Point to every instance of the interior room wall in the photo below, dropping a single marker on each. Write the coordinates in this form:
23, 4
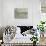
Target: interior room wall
0, 11
7, 16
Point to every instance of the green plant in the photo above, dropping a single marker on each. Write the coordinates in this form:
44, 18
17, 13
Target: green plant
34, 39
41, 26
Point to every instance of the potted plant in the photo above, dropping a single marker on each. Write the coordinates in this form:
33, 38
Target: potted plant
34, 39
41, 28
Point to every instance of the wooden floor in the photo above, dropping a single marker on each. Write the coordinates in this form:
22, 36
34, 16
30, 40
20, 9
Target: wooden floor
15, 44
42, 41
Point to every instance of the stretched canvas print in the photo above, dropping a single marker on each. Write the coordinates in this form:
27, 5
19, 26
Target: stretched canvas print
21, 13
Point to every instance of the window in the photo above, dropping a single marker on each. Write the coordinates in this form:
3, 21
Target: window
43, 6
43, 10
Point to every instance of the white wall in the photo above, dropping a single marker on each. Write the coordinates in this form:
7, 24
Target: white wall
0, 12
8, 12
36, 12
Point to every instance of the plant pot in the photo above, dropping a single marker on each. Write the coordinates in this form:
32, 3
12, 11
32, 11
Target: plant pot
42, 34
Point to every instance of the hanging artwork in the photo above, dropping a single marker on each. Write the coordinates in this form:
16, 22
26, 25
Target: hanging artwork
21, 13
